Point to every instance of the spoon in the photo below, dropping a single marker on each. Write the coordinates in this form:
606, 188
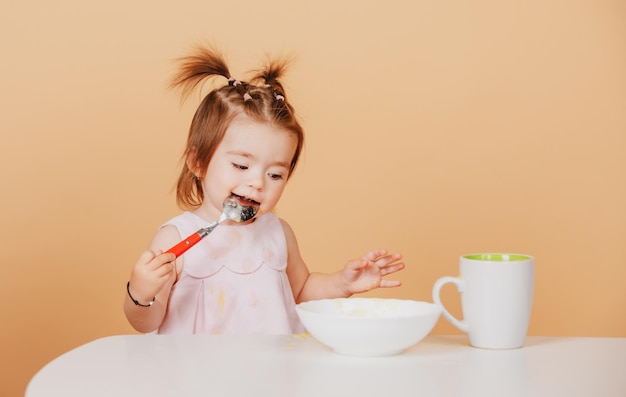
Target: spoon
233, 211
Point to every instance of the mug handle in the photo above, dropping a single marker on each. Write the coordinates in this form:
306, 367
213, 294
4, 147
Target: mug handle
436, 298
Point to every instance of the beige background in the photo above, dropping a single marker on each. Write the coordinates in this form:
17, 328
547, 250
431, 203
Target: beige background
434, 128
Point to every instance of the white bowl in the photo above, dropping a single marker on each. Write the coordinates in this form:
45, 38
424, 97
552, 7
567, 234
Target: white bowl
368, 326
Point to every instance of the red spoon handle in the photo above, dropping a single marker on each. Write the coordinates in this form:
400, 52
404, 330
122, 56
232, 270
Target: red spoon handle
184, 245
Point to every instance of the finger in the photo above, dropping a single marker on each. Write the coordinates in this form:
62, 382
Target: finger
388, 260
375, 254
146, 257
391, 269
165, 269
390, 283
357, 264
168, 256
160, 260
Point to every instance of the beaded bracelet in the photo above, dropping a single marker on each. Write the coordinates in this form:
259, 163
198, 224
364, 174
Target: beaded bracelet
135, 301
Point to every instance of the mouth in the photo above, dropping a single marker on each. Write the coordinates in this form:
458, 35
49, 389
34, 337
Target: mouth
245, 201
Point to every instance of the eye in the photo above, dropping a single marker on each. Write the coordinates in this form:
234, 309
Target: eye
240, 166
275, 177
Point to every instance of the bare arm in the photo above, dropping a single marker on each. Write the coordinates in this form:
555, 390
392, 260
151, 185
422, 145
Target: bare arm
152, 276
358, 275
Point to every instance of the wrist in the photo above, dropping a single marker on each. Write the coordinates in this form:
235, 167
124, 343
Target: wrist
135, 301
343, 286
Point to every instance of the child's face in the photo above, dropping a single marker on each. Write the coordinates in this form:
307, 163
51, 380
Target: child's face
251, 164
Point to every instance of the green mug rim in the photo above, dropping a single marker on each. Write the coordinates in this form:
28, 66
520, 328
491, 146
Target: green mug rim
497, 257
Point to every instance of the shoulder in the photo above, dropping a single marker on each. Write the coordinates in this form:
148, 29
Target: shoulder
184, 218
170, 232
290, 236
285, 225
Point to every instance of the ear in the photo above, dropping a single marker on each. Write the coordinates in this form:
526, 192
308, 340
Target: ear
191, 162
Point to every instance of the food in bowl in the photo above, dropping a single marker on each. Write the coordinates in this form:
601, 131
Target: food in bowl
368, 326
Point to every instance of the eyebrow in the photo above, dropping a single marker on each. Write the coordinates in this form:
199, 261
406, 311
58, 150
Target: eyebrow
285, 164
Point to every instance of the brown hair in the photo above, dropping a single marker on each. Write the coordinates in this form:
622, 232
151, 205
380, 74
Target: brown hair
265, 103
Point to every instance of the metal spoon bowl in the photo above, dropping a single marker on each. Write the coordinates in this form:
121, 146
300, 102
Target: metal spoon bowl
234, 211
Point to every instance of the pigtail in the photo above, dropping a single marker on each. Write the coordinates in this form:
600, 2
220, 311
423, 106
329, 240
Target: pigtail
270, 75
203, 63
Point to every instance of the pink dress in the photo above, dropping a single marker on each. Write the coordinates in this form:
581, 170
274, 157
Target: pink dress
233, 281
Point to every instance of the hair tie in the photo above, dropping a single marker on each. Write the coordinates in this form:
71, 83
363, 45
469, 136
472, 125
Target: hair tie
279, 97
246, 97
233, 83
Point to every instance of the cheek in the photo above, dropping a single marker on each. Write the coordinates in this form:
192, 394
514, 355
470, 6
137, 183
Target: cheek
275, 192
219, 173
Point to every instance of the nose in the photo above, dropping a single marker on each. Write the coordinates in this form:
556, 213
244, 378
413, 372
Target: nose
256, 181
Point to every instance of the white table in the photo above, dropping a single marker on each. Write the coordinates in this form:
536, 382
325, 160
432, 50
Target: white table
298, 365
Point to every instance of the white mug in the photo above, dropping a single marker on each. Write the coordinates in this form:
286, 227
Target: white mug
496, 298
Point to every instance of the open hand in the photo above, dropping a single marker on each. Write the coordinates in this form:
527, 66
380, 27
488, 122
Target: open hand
366, 273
